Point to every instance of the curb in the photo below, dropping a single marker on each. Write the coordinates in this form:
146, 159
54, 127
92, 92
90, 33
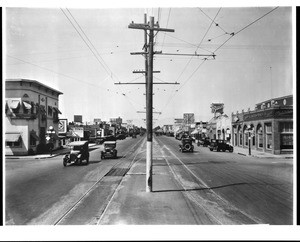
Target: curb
39, 158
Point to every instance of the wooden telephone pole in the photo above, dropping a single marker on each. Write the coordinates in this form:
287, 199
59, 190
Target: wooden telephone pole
148, 52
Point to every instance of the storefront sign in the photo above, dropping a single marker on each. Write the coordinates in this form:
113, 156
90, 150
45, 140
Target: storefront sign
273, 113
62, 126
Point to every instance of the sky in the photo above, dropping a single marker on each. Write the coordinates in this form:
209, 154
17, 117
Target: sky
82, 52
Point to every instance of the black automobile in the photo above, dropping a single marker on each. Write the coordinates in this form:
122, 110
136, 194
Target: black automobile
121, 136
186, 145
109, 150
79, 151
220, 145
204, 142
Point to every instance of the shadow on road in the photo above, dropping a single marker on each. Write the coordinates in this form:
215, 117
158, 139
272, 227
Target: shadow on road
211, 188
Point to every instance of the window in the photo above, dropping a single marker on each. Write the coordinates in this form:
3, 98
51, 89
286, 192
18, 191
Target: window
260, 137
32, 141
286, 135
268, 128
15, 144
50, 111
246, 135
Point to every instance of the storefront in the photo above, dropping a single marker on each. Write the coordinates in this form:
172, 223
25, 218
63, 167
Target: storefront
269, 128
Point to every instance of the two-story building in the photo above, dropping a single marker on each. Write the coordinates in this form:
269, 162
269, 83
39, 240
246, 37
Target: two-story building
31, 108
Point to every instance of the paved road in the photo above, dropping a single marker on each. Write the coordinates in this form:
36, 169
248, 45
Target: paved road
40, 191
202, 187
245, 189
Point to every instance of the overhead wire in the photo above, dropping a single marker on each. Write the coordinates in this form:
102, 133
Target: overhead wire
86, 43
231, 36
174, 94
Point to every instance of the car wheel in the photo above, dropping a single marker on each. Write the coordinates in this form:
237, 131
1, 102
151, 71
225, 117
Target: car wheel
211, 149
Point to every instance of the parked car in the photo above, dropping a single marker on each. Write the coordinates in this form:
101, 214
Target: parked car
204, 142
220, 145
109, 150
186, 145
79, 151
121, 136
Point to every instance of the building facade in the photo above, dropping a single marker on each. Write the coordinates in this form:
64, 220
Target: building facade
31, 108
269, 128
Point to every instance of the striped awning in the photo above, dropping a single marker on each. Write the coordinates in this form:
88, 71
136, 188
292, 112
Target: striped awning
27, 105
14, 104
57, 110
12, 137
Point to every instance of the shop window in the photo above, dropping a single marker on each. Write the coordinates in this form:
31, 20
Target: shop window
268, 128
246, 137
32, 141
260, 142
286, 135
16, 144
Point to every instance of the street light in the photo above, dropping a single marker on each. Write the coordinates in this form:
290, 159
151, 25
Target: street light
249, 138
49, 138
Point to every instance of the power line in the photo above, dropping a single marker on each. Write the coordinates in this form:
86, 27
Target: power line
44, 68
173, 95
218, 25
86, 43
235, 33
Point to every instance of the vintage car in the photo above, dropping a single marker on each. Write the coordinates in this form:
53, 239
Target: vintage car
204, 142
186, 145
79, 151
220, 145
109, 150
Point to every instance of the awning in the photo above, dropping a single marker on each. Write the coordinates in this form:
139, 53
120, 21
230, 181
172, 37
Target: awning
12, 137
33, 135
26, 105
57, 110
14, 104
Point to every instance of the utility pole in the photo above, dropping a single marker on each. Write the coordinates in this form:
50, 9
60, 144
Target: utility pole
148, 52
149, 114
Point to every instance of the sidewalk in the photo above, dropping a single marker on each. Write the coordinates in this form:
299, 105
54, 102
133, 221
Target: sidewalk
55, 153
260, 154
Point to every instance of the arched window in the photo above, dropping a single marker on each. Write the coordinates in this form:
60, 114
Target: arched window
246, 135
269, 142
259, 135
240, 136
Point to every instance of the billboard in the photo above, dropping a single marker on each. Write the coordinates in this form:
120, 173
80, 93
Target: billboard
78, 131
62, 126
78, 118
188, 118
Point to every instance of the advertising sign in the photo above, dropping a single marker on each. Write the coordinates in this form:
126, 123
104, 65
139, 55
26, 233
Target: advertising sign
78, 118
189, 118
62, 126
78, 131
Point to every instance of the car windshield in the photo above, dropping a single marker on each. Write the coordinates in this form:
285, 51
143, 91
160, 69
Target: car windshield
110, 145
76, 147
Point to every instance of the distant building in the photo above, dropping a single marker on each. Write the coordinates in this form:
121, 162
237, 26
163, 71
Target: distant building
269, 128
31, 108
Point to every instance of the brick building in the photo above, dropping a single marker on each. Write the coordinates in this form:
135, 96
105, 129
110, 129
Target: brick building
269, 128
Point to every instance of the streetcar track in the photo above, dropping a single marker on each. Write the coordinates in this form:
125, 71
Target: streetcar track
193, 198
98, 181
116, 189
